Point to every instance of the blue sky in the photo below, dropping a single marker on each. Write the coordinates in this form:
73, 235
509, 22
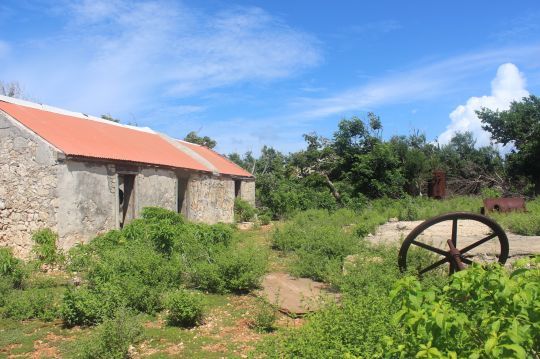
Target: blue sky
249, 73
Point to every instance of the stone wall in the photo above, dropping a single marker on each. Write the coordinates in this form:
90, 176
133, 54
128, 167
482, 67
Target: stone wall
247, 191
210, 199
86, 201
155, 188
28, 181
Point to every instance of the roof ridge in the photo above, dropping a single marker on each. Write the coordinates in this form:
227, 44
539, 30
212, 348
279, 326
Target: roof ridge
61, 111
188, 151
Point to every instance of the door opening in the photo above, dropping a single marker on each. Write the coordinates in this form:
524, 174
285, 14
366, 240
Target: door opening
237, 186
126, 203
182, 191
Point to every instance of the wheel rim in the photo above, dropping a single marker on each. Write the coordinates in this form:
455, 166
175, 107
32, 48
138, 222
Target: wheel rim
455, 217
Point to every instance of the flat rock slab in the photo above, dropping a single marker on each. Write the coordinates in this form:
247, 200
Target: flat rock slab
294, 295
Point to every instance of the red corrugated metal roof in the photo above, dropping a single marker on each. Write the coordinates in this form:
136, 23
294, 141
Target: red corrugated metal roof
77, 136
222, 164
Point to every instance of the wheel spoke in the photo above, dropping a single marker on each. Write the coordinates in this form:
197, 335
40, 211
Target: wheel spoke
434, 265
430, 248
454, 232
466, 260
476, 244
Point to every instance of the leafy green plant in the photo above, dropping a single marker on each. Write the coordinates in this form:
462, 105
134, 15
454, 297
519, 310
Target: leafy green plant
30, 304
11, 268
482, 312
265, 219
113, 338
45, 247
243, 211
184, 309
241, 268
264, 319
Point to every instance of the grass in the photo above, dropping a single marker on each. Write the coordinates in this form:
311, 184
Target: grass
227, 329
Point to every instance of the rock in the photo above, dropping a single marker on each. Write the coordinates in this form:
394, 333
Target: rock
392, 220
401, 226
243, 226
2, 205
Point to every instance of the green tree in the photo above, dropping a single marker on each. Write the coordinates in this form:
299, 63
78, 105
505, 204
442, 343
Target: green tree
520, 126
108, 117
204, 141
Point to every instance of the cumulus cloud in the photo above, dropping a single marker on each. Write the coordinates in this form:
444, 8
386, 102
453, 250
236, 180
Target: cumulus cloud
507, 86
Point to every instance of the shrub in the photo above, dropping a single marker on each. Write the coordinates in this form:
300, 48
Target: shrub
490, 192
265, 219
236, 269
113, 338
264, 319
156, 214
243, 211
45, 246
206, 276
185, 309
241, 268
11, 268
83, 306
482, 312
5, 288
30, 304
320, 241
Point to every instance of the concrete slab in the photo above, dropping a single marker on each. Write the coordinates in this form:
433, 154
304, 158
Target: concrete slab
468, 233
294, 295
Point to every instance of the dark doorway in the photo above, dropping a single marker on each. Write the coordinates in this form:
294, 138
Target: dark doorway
126, 203
182, 190
237, 186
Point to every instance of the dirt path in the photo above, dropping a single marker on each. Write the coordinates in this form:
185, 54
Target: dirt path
468, 232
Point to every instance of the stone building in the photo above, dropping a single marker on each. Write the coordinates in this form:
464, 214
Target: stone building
81, 176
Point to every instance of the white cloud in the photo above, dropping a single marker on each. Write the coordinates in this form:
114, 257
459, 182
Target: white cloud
507, 86
427, 81
4, 49
114, 55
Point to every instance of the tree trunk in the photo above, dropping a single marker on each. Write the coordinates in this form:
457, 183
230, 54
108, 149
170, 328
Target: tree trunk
333, 189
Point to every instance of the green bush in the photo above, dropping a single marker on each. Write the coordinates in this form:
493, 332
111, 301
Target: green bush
156, 214
113, 337
6, 286
11, 269
83, 306
482, 312
45, 247
241, 268
150, 256
264, 319
185, 309
319, 240
31, 304
265, 219
243, 211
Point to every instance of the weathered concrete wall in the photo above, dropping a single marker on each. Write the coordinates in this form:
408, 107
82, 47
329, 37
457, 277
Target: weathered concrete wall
87, 201
247, 191
155, 188
28, 181
210, 199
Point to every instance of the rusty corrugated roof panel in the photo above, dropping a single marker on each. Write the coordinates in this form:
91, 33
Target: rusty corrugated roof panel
77, 136
223, 164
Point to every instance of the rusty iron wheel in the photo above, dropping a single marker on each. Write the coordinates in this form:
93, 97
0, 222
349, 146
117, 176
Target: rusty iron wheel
456, 260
